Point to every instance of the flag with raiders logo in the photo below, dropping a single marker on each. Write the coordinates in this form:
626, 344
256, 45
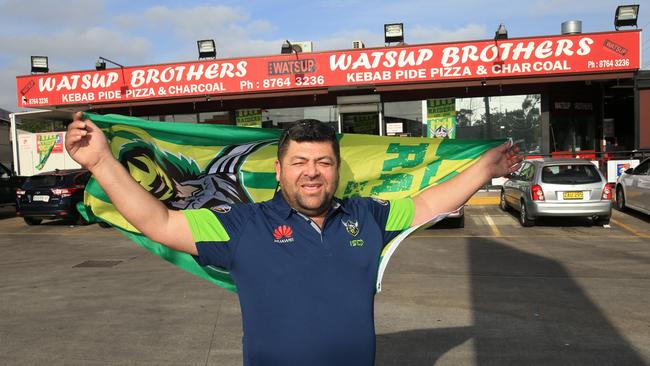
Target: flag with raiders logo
191, 166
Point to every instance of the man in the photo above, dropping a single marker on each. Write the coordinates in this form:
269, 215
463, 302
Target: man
305, 262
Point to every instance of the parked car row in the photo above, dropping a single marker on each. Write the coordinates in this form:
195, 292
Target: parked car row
540, 188
573, 187
52, 195
9, 183
558, 187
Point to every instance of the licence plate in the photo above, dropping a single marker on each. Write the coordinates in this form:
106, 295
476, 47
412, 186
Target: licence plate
572, 195
41, 198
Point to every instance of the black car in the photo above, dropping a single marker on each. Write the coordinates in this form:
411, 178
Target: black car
52, 195
9, 183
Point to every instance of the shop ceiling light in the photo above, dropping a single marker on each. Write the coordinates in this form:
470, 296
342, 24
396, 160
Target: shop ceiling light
40, 64
626, 15
394, 32
501, 33
207, 48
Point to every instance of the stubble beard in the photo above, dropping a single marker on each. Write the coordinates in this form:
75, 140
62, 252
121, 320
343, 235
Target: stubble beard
302, 204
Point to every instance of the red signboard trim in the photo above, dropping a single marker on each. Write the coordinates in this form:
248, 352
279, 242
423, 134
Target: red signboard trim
592, 53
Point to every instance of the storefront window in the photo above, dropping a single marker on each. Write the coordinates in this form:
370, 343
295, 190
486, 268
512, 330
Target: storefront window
186, 118
403, 118
221, 118
572, 125
516, 117
363, 122
286, 117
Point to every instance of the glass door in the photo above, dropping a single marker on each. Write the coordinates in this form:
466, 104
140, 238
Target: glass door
360, 122
363, 118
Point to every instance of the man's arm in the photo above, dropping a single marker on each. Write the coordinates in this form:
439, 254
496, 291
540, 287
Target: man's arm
87, 145
450, 195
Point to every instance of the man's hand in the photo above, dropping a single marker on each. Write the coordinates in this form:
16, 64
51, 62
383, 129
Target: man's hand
501, 160
86, 143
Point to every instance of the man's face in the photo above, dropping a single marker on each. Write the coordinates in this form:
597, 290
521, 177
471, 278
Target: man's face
308, 176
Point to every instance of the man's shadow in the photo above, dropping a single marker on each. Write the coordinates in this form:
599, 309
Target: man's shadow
527, 310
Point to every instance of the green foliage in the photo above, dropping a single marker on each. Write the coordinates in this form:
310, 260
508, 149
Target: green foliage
39, 125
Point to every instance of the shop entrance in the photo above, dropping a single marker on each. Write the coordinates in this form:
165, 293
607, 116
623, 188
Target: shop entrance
360, 114
361, 122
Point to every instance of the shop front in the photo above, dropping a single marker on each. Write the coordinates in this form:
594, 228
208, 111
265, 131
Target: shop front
560, 94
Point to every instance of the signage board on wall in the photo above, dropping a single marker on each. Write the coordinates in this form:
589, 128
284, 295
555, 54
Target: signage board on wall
441, 118
249, 117
479, 60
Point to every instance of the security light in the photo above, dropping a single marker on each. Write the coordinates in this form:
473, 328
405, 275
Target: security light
207, 48
394, 32
40, 64
626, 15
100, 64
286, 47
501, 32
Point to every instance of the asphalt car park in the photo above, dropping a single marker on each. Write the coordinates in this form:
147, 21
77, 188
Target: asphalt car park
564, 291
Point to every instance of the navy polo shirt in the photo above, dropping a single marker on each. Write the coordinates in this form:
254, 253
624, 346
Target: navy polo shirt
306, 293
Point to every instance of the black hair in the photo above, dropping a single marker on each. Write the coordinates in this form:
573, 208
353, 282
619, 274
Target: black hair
309, 130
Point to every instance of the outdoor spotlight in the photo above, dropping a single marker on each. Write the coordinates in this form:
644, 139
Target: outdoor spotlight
100, 64
626, 15
40, 64
207, 48
501, 32
394, 32
287, 48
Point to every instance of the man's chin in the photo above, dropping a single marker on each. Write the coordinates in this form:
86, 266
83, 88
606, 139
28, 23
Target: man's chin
315, 206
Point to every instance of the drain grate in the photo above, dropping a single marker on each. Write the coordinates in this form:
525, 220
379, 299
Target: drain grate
97, 264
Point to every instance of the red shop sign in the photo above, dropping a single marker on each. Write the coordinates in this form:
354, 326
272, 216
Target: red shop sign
552, 55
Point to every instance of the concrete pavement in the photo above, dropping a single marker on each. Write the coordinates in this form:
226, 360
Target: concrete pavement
560, 293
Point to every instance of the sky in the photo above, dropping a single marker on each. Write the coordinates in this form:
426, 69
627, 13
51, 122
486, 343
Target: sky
73, 33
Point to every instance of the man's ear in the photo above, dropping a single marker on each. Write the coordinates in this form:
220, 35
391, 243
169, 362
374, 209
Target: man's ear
278, 169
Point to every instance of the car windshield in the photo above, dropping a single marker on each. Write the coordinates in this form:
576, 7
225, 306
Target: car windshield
570, 174
43, 181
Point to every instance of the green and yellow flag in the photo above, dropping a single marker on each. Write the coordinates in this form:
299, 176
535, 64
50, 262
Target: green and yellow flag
45, 145
189, 166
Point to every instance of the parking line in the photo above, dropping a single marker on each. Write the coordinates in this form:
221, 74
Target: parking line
493, 227
630, 229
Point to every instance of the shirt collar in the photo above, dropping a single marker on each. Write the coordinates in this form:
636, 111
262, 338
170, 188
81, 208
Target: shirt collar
279, 204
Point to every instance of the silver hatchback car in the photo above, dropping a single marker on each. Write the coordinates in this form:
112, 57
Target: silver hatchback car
558, 187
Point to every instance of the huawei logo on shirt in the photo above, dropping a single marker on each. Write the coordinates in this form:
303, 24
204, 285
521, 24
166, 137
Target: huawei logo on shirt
283, 234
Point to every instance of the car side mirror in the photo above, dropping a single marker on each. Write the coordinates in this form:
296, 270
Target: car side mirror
629, 171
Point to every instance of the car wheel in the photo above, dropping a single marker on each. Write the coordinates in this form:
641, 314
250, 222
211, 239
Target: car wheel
502, 202
602, 220
32, 221
523, 216
458, 222
78, 220
620, 199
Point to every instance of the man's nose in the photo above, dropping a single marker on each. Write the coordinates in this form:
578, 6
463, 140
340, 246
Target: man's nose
311, 169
